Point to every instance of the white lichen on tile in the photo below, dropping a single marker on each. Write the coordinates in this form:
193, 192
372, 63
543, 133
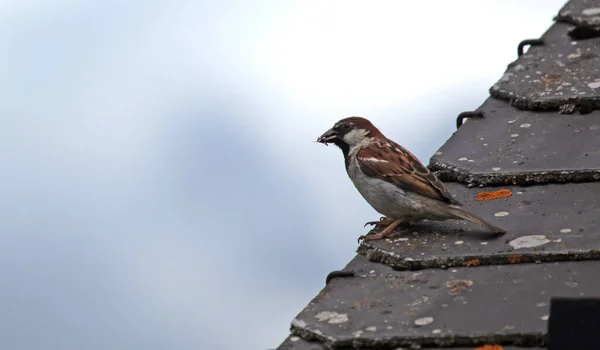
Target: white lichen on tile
357, 333
529, 241
423, 321
331, 317
526, 125
459, 242
594, 85
463, 159
294, 338
545, 318
371, 329
501, 213
298, 323
565, 230
592, 11
436, 331
572, 284
496, 168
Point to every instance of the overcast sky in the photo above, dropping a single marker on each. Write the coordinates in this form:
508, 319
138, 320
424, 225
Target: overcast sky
160, 188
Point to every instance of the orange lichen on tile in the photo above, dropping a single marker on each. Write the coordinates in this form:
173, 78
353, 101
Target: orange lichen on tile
474, 262
514, 259
490, 347
487, 196
458, 286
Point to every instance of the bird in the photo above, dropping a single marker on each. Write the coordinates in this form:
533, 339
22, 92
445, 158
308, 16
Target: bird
392, 180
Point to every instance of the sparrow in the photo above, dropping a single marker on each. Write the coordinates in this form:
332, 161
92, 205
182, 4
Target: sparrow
392, 180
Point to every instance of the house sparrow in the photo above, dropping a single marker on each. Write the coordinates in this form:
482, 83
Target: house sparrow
392, 180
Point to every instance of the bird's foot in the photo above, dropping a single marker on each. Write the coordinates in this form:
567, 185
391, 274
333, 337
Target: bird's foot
383, 234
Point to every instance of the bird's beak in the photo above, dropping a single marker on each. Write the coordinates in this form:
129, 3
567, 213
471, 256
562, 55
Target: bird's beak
328, 136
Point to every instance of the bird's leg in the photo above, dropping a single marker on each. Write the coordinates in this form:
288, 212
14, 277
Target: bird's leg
383, 234
382, 221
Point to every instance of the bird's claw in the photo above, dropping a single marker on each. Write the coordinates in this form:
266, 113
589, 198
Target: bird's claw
364, 238
372, 223
382, 221
371, 237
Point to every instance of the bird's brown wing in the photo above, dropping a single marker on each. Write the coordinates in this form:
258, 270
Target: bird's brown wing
388, 161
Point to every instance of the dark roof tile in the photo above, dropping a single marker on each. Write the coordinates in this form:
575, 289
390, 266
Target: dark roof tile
507, 146
558, 222
581, 13
297, 343
385, 308
561, 75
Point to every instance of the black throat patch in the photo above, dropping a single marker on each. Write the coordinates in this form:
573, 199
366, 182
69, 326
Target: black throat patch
345, 150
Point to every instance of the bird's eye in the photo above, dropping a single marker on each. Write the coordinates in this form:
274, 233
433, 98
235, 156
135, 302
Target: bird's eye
345, 127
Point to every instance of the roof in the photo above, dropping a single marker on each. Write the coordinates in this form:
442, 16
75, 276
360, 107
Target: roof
447, 285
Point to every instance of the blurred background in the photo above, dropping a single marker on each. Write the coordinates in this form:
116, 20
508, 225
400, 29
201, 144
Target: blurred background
159, 184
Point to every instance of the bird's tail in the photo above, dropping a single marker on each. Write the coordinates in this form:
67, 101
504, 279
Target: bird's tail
462, 214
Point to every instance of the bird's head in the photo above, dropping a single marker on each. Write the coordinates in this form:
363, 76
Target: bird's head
350, 132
